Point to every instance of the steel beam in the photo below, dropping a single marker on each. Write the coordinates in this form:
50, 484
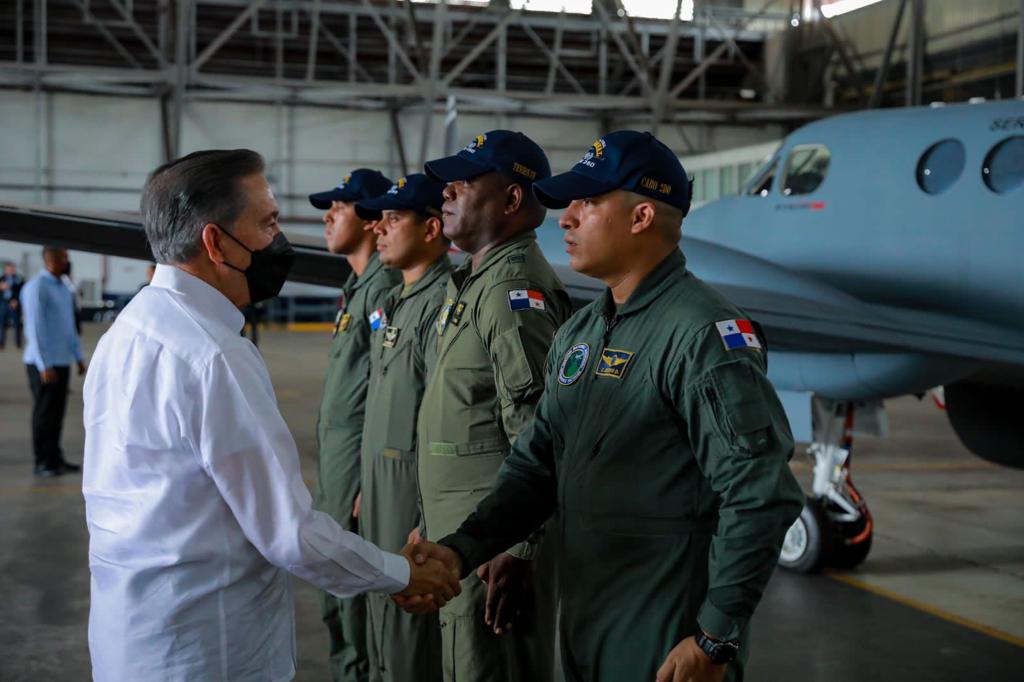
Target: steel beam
641, 73
844, 56
716, 53
668, 62
430, 88
479, 48
501, 76
555, 57
1020, 50
883, 69
181, 72
532, 35
747, 64
225, 35
354, 67
390, 36
133, 25
314, 37
915, 55
108, 36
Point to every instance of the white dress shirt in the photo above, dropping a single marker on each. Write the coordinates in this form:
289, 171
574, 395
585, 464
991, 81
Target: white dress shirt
195, 503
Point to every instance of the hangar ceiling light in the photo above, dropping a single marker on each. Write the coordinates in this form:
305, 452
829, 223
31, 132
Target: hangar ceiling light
640, 9
658, 9
569, 6
837, 7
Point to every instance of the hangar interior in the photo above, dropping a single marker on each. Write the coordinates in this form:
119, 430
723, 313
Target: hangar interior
94, 94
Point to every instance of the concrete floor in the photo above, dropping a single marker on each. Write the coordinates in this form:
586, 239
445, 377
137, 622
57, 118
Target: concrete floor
940, 598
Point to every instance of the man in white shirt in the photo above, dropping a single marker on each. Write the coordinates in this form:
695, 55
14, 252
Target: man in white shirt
195, 501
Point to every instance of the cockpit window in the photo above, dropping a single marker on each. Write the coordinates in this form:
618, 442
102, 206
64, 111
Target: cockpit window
806, 168
941, 165
1003, 169
762, 183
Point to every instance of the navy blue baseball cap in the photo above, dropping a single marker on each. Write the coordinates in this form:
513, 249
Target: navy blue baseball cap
361, 183
510, 152
626, 159
415, 192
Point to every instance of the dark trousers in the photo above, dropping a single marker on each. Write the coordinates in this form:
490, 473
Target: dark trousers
49, 402
10, 316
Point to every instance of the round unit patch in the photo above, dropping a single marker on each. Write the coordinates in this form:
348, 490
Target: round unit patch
573, 364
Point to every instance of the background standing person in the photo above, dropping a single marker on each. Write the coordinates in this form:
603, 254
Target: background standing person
52, 348
10, 307
194, 495
502, 307
65, 277
659, 441
402, 647
343, 407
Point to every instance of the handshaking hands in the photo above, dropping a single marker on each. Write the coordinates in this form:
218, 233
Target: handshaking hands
433, 578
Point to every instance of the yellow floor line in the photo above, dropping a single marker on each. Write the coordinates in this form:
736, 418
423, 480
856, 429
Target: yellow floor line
927, 608
60, 489
309, 327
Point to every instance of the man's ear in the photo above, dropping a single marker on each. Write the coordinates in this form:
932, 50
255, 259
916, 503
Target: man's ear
434, 229
212, 243
642, 217
513, 199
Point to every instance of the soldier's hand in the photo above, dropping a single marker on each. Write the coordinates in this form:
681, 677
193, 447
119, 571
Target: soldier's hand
358, 505
509, 581
688, 663
414, 536
429, 554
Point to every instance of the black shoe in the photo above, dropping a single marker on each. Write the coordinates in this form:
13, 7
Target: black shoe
68, 466
47, 472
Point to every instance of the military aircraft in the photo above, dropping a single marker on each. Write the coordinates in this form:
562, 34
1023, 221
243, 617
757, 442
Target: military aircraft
880, 253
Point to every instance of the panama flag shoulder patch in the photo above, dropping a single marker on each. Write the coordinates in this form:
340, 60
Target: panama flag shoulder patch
377, 319
525, 299
738, 334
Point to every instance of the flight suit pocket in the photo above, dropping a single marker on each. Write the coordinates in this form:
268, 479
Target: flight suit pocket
467, 467
514, 369
734, 396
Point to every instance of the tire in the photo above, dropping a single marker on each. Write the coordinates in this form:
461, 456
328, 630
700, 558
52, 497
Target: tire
850, 556
846, 554
805, 548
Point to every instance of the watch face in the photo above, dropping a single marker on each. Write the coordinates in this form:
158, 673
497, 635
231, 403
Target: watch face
718, 652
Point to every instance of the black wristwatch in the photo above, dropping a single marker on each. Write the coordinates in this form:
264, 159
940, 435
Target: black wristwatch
719, 652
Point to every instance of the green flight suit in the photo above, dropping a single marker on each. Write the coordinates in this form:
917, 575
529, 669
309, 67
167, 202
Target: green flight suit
402, 647
494, 330
666, 457
340, 432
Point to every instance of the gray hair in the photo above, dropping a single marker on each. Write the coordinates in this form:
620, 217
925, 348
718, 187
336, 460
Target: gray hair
182, 196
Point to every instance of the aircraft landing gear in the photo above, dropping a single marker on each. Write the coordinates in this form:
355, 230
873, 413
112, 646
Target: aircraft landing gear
835, 527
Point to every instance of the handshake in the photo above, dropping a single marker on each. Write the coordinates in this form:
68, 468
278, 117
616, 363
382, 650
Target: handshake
434, 572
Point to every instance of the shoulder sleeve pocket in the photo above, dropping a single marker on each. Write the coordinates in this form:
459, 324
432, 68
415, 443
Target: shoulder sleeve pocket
734, 397
516, 375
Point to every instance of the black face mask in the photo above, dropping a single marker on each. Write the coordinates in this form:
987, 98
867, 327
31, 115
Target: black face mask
269, 268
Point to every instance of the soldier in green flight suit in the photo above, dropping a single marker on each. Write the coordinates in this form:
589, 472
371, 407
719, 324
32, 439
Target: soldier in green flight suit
658, 440
501, 310
340, 423
402, 647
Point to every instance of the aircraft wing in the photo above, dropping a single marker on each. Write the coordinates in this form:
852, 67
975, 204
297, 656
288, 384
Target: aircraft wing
797, 312
121, 234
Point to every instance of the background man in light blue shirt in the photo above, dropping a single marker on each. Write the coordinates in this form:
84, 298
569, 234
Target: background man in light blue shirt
10, 307
51, 346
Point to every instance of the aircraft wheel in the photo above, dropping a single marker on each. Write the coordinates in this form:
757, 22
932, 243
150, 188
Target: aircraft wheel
852, 542
850, 556
806, 542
